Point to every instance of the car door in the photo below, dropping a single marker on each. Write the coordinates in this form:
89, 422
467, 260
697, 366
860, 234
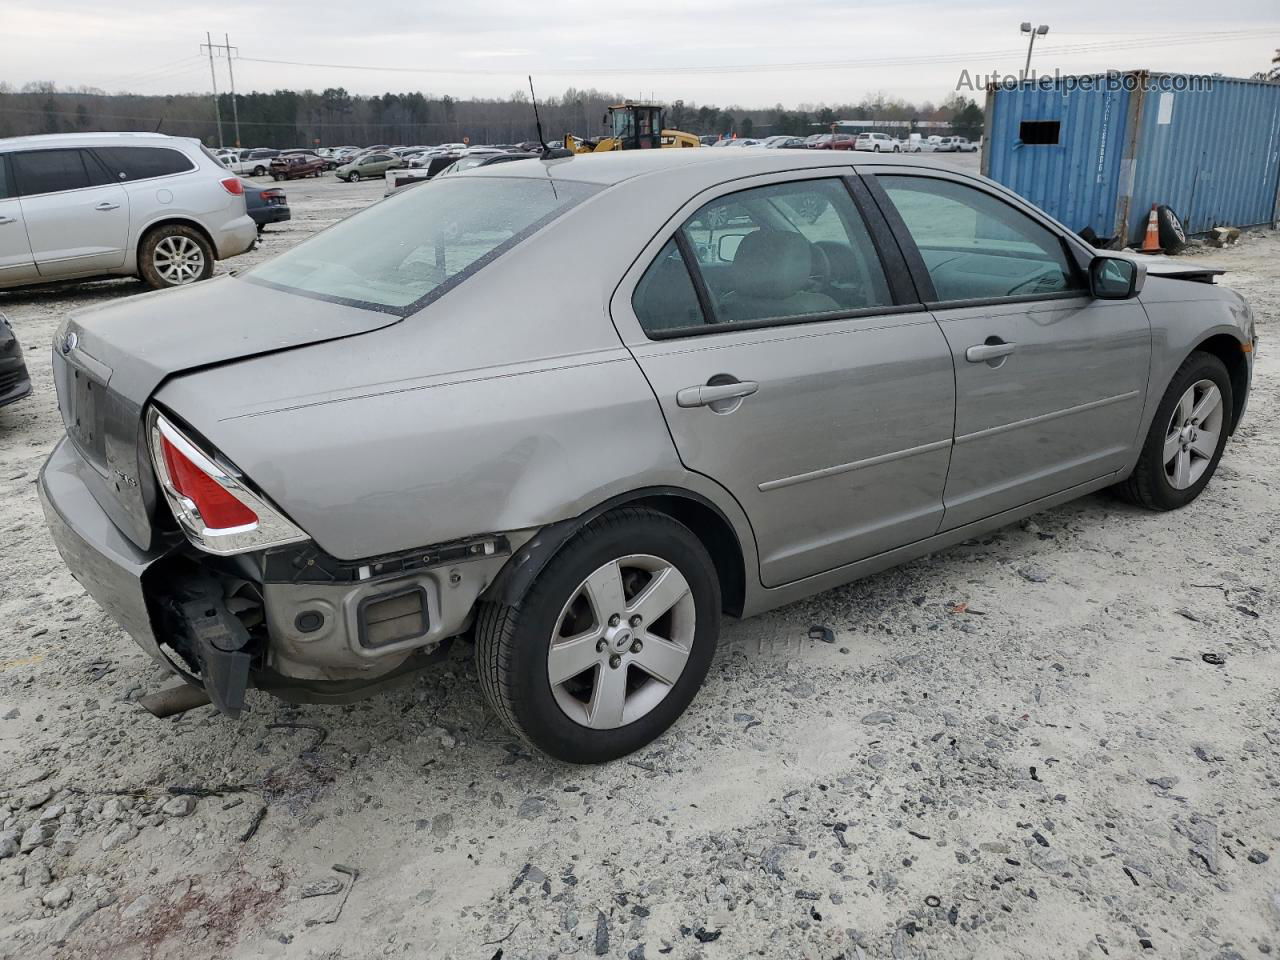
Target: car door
795, 367
17, 265
77, 219
1049, 381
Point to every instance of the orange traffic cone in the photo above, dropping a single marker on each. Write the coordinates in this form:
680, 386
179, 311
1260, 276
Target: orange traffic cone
1151, 242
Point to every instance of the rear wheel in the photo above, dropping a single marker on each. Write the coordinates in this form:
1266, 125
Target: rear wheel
610, 643
259, 170
174, 255
1186, 439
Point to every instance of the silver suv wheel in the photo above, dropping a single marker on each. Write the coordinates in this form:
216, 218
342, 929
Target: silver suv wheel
178, 260
621, 642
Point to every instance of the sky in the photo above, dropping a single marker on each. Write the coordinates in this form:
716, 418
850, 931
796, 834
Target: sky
747, 53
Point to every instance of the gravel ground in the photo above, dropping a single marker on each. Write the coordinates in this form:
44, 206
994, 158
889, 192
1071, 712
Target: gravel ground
1015, 748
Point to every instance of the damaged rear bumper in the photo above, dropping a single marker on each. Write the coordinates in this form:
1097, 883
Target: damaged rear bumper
293, 621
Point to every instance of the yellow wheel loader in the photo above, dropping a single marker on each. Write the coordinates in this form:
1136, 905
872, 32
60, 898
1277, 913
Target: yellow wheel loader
632, 126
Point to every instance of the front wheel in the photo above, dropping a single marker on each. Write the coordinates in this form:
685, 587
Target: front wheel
1186, 438
353, 177
611, 642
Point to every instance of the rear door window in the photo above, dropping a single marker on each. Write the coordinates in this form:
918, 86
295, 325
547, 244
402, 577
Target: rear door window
770, 254
143, 163
53, 171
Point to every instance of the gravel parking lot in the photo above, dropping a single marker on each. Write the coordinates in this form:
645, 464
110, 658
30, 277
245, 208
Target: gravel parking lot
1059, 741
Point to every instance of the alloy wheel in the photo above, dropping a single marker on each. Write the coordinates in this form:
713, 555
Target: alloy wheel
621, 642
1191, 439
178, 259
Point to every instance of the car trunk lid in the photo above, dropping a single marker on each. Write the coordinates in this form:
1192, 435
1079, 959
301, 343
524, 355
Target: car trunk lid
108, 361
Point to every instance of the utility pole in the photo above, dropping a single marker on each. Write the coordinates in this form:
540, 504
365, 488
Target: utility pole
213, 76
1039, 31
235, 113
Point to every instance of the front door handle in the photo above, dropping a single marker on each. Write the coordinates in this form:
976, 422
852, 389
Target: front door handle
4, 220
989, 351
107, 205
708, 394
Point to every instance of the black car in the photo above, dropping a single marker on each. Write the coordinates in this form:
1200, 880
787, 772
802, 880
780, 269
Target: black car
448, 163
484, 160
15, 383
265, 204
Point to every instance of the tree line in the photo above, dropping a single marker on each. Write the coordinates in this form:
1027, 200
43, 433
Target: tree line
334, 116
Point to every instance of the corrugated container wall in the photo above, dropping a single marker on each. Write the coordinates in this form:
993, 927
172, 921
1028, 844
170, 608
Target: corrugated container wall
1100, 157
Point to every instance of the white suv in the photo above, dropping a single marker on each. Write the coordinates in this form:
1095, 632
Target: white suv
877, 143
75, 206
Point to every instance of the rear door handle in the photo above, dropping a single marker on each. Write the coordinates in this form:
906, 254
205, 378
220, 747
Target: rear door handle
989, 351
4, 220
107, 205
707, 394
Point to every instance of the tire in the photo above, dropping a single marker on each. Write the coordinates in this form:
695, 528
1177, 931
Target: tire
259, 171
174, 255
1156, 482
277, 177
897, 149
513, 643
353, 177
876, 148
1172, 237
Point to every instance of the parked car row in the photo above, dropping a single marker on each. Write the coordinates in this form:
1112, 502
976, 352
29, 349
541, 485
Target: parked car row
883, 143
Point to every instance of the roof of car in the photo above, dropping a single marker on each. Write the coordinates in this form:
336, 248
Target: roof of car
615, 167
84, 139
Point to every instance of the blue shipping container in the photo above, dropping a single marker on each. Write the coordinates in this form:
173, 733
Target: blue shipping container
1098, 151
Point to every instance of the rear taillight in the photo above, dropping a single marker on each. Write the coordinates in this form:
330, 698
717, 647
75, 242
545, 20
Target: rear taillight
216, 509
233, 186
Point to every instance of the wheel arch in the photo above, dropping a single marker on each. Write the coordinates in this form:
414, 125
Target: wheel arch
178, 221
708, 523
1229, 349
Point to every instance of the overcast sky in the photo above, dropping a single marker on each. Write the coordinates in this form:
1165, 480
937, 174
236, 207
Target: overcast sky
728, 52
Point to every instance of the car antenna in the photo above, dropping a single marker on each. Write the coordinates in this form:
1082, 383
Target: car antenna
537, 120
548, 152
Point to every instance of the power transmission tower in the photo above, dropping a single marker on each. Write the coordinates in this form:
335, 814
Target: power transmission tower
235, 113
213, 77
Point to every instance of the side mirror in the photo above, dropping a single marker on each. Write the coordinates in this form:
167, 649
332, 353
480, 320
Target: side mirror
1115, 278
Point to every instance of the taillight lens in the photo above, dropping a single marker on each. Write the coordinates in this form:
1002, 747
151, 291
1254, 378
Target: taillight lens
216, 509
233, 186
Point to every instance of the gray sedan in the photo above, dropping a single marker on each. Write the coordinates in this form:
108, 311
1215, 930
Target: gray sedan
575, 411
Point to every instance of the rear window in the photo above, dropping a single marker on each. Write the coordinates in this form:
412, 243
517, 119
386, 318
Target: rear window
400, 254
143, 163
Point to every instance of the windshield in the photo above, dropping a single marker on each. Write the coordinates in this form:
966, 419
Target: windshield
399, 254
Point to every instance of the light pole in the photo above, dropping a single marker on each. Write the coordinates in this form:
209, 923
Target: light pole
1039, 31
